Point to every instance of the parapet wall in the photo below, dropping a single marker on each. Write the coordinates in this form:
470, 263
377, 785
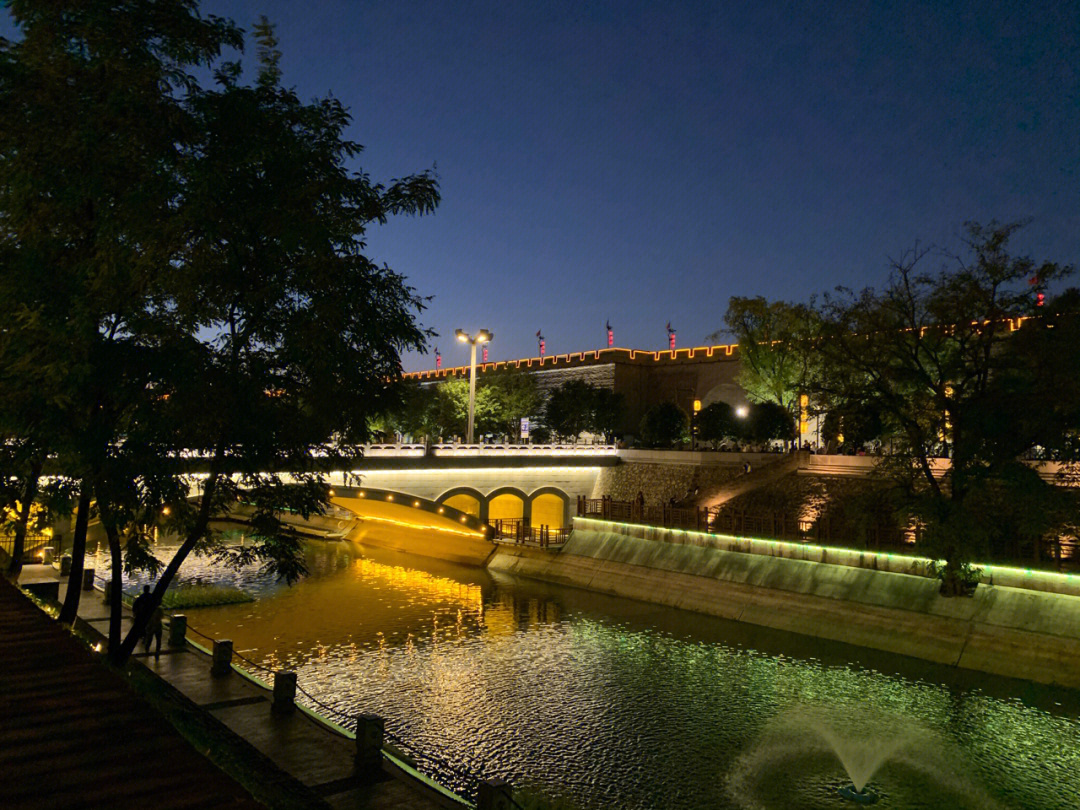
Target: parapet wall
1016, 632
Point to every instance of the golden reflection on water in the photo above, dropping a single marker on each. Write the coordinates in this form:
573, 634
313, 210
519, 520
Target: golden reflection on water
419, 584
364, 601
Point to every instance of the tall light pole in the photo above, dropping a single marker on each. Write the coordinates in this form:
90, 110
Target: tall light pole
483, 336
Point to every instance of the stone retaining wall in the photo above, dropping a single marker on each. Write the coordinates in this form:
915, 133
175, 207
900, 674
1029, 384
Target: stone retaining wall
1005, 630
659, 483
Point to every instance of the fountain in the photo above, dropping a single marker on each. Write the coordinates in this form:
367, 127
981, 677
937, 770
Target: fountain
816, 757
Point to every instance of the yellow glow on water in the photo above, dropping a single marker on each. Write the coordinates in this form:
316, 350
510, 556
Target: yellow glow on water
418, 583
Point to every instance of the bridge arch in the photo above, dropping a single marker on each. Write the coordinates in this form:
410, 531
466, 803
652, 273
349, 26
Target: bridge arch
550, 506
467, 500
508, 503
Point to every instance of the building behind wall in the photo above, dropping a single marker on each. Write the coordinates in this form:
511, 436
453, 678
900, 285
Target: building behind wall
644, 378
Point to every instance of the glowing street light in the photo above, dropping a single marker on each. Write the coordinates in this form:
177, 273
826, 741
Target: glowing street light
742, 412
483, 336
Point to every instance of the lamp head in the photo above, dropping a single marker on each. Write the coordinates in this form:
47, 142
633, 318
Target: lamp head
461, 335
483, 336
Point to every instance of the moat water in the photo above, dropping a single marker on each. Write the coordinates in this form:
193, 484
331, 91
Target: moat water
612, 703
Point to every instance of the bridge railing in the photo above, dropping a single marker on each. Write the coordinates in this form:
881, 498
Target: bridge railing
453, 450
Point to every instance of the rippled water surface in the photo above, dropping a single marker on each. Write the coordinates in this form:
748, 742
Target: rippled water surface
620, 704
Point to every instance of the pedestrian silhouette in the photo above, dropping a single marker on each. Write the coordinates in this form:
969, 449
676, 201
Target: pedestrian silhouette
143, 605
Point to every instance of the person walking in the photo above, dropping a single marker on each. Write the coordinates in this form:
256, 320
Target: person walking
154, 630
143, 604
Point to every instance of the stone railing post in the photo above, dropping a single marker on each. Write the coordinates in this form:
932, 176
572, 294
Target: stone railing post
221, 663
284, 693
88, 579
494, 794
178, 630
107, 595
369, 741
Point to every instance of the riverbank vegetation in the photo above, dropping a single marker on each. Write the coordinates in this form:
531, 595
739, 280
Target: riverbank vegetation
967, 357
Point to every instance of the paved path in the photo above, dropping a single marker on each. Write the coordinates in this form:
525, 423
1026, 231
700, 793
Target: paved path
314, 754
71, 731
73, 735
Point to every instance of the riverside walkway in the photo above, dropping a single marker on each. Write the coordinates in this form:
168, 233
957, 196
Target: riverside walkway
319, 758
73, 734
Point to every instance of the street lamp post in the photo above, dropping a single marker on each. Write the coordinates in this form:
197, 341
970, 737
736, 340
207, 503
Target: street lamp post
483, 336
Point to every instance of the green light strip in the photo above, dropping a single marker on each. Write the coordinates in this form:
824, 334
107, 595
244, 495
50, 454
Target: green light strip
1030, 572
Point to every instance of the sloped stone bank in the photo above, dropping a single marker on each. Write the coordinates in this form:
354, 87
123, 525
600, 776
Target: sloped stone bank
1005, 630
659, 483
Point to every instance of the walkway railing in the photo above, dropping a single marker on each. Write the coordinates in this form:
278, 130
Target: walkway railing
33, 544
668, 515
521, 532
456, 780
721, 520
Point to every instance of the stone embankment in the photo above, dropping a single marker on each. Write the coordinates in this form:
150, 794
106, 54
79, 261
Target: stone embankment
1005, 630
661, 475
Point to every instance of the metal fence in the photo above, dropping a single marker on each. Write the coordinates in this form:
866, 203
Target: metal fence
521, 532
718, 520
32, 545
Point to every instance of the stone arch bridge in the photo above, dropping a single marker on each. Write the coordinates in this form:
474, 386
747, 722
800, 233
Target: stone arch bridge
454, 501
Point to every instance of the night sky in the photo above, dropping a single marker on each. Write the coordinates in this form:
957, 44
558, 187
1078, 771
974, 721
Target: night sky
642, 162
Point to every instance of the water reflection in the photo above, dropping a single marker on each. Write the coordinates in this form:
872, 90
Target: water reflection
618, 703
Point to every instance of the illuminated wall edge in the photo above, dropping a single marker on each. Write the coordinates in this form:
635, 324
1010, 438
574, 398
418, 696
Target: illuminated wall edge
694, 353
1053, 576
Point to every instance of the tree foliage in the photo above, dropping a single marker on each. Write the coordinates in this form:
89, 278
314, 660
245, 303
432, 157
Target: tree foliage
515, 397
768, 421
934, 354
717, 422
664, 425
577, 407
776, 340
186, 271
570, 407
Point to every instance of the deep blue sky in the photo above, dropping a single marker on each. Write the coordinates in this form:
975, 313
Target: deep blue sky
643, 162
